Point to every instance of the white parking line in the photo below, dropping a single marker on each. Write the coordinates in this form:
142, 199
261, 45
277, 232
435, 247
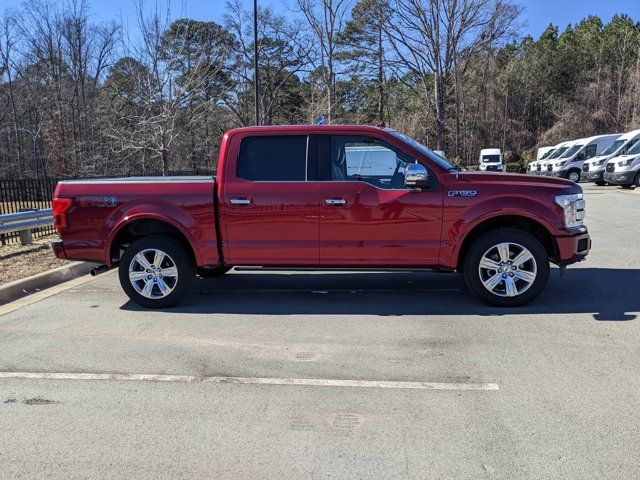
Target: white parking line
315, 382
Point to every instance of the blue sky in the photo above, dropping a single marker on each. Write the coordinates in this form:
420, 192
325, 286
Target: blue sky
537, 15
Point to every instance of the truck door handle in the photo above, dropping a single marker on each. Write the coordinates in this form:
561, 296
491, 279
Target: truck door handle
335, 202
243, 202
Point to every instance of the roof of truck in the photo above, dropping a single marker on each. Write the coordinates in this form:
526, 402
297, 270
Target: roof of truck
308, 128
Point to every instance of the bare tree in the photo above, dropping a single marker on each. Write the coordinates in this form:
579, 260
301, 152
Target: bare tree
430, 38
326, 18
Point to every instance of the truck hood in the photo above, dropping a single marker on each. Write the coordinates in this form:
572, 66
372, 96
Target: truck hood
526, 181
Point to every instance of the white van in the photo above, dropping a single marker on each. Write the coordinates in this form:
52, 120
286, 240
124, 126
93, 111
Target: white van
370, 161
532, 168
491, 160
624, 169
543, 151
593, 171
569, 165
541, 166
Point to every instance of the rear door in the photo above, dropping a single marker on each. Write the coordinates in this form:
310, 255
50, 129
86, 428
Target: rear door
269, 202
367, 216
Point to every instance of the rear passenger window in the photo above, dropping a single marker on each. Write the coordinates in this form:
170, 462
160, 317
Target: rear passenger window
273, 159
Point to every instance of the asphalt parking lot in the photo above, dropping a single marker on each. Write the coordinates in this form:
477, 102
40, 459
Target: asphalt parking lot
556, 385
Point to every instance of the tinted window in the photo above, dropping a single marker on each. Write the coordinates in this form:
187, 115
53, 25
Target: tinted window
272, 159
591, 151
366, 159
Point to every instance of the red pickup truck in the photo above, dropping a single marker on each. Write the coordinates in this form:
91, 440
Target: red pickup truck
324, 197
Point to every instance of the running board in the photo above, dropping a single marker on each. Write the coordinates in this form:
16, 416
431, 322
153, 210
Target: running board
345, 269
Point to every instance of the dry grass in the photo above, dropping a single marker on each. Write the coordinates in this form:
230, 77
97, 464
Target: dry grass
18, 262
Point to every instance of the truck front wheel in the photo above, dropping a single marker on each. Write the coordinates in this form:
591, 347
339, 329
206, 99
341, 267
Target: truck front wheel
156, 271
506, 267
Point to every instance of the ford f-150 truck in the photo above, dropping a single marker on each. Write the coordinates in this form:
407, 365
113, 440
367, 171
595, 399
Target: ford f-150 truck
306, 196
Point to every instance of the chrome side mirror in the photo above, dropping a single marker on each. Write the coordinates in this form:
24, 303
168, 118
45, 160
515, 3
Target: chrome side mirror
416, 176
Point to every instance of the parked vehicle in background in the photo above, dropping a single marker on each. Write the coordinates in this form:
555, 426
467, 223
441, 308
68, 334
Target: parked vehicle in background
491, 160
440, 153
543, 152
532, 168
541, 167
593, 170
624, 169
569, 165
291, 197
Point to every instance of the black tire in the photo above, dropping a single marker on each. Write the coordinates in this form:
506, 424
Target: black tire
490, 240
212, 272
575, 174
176, 255
636, 182
601, 184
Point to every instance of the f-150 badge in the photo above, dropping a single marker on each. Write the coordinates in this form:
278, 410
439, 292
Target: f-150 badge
462, 193
98, 201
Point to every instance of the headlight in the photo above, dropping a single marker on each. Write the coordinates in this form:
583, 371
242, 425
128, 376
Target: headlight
573, 206
626, 163
599, 162
560, 164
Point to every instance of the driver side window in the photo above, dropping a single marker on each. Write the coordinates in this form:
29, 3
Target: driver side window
367, 159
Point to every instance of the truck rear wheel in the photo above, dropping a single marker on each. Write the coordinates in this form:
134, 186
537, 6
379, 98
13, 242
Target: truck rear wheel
156, 271
506, 267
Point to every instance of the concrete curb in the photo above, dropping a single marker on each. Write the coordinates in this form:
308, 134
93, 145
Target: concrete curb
26, 286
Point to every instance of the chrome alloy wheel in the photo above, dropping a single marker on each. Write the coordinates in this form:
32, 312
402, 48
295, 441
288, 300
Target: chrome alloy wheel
153, 273
507, 269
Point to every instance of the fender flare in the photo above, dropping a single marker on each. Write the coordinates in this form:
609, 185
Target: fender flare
127, 220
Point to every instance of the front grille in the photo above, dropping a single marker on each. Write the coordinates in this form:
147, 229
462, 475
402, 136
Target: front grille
585, 167
611, 167
492, 168
549, 168
539, 167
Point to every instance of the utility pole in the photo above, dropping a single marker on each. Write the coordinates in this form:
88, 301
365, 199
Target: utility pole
256, 78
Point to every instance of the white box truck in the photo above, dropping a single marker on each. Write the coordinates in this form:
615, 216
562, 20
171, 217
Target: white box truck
491, 160
593, 170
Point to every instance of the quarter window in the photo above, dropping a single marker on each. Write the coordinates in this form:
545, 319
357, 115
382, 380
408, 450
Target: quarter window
366, 159
273, 158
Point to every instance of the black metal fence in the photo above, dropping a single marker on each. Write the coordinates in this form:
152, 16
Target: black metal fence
34, 194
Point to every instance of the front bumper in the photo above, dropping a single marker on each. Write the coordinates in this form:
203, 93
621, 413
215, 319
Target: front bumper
573, 248
58, 250
592, 176
619, 178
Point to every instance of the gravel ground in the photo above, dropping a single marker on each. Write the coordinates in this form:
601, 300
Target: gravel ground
18, 262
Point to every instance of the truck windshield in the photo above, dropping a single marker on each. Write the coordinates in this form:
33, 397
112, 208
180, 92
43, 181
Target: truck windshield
423, 150
572, 151
558, 152
491, 159
613, 148
548, 154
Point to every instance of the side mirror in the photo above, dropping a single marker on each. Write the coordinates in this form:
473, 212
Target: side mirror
416, 176
581, 156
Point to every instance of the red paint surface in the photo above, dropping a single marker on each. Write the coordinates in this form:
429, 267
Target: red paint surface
289, 223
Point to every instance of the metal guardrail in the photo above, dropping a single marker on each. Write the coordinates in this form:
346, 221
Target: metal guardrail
24, 222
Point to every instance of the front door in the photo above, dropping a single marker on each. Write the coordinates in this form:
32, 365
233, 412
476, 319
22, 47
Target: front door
367, 216
269, 203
